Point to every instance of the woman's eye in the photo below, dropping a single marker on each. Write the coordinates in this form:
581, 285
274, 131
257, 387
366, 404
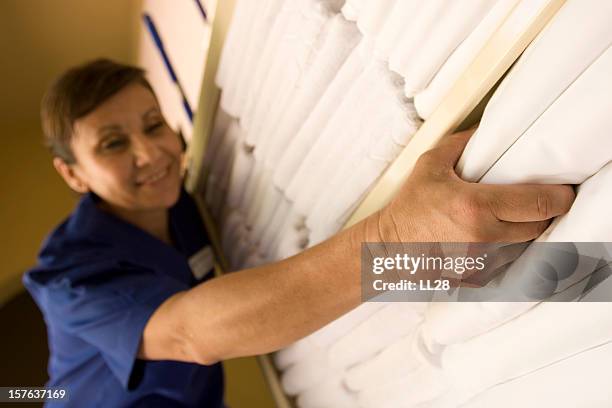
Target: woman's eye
114, 144
154, 127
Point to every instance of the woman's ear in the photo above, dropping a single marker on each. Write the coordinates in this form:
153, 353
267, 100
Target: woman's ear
70, 176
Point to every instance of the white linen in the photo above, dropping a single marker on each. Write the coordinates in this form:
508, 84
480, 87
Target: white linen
578, 34
582, 380
490, 359
317, 120
428, 100
419, 64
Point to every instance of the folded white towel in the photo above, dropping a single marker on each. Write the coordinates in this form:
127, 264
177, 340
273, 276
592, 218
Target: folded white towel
240, 25
491, 358
582, 380
578, 34
317, 120
399, 360
282, 213
346, 125
308, 373
235, 90
221, 123
378, 330
330, 393
268, 210
341, 37
425, 384
403, 375
413, 37
242, 167
266, 57
381, 329
319, 341
299, 45
398, 20
391, 125
231, 232
455, 322
419, 64
254, 184
352, 9
221, 167
557, 151
374, 16
429, 99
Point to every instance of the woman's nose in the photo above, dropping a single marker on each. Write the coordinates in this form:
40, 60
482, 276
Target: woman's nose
145, 150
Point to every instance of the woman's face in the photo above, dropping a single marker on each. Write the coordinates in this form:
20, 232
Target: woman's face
126, 153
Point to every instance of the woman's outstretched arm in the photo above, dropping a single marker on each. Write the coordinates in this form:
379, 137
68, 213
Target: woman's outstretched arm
263, 309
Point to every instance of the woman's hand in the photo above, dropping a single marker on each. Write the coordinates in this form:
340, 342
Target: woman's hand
435, 205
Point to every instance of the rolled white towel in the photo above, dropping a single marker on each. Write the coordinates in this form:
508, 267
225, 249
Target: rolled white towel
428, 100
232, 53
550, 151
241, 171
221, 123
448, 323
300, 43
399, 19
403, 375
490, 359
578, 34
282, 212
267, 212
582, 380
383, 328
398, 360
317, 120
330, 393
347, 123
390, 128
380, 329
266, 58
235, 90
341, 38
413, 37
420, 66
352, 9
221, 168
253, 186
373, 16
319, 341
308, 373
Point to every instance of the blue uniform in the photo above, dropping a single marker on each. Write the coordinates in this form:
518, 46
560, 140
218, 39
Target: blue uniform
98, 281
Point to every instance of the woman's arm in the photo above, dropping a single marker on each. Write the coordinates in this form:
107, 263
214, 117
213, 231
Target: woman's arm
263, 309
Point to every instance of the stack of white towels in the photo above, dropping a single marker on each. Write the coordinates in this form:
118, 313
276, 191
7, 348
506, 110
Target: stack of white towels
320, 96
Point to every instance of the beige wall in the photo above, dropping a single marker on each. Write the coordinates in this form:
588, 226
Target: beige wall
38, 40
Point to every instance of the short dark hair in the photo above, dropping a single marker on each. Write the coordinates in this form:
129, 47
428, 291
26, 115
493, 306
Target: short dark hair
78, 92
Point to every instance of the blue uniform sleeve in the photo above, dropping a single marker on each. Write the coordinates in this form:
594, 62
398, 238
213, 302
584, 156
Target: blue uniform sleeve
111, 312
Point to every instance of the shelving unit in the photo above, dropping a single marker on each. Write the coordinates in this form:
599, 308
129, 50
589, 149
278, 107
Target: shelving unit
500, 52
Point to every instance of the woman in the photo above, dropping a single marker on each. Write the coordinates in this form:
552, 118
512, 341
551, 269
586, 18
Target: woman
134, 317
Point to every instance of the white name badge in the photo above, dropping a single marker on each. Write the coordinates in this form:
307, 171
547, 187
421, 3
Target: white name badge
202, 262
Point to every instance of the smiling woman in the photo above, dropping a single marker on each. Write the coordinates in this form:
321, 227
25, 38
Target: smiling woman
127, 154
